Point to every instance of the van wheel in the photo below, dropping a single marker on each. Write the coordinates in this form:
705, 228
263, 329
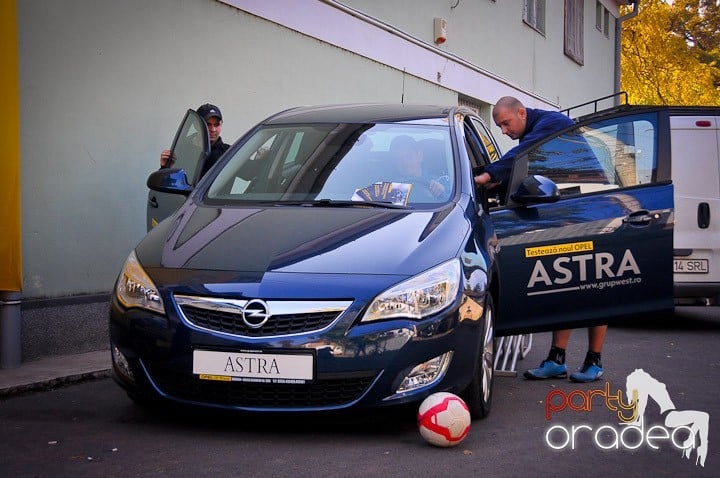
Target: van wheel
478, 395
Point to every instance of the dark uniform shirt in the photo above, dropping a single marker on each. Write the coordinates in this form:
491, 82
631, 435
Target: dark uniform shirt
539, 124
217, 149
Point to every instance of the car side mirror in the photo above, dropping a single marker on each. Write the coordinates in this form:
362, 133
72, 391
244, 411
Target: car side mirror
173, 181
536, 189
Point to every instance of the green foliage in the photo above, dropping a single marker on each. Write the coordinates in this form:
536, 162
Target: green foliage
671, 53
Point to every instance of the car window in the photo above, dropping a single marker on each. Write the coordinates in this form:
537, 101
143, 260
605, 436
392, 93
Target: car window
398, 163
481, 145
476, 153
190, 145
488, 141
609, 154
482, 150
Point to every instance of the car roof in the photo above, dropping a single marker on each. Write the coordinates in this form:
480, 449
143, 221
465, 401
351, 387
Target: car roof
361, 113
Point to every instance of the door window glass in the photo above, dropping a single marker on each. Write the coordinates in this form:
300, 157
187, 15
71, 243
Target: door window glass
477, 155
190, 146
610, 154
487, 139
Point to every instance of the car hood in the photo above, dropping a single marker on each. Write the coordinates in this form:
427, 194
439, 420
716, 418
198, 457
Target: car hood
305, 239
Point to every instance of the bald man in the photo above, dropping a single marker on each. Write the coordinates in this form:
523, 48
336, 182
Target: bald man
527, 125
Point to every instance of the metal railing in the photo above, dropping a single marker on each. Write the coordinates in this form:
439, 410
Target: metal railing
507, 352
621, 99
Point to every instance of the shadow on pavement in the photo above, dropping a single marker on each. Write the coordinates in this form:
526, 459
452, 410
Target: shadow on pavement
385, 421
683, 318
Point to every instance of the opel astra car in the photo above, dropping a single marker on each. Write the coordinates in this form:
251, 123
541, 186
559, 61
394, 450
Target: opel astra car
341, 256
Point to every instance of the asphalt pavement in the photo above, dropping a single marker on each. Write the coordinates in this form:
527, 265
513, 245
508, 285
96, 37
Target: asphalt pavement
91, 428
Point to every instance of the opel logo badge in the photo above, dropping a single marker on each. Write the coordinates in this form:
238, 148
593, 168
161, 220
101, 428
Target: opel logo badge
255, 313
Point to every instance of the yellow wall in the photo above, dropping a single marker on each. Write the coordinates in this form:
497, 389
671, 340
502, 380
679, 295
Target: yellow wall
10, 239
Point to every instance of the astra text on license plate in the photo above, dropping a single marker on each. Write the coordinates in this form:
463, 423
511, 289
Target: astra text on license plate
253, 367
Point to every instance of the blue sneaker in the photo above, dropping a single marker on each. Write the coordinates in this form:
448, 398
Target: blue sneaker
547, 369
587, 373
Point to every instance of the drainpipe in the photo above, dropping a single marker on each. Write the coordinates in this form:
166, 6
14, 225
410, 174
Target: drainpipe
10, 344
618, 45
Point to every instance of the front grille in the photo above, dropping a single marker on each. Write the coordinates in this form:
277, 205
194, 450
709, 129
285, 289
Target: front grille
230, 323
323, 392
283, 317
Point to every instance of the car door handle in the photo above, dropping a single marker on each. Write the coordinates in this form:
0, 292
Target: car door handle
152, 202
639, 218
703, 215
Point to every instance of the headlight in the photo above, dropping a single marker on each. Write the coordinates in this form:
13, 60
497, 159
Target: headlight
135, 289
419, 297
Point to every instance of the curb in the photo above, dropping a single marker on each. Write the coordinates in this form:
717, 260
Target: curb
50, 384
55, 371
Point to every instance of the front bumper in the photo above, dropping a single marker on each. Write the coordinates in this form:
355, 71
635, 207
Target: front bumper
356, 365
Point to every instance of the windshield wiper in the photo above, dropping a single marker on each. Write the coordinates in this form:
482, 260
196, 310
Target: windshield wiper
341, 203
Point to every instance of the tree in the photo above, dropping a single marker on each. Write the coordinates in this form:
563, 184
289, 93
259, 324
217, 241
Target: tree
671, 53
699, 23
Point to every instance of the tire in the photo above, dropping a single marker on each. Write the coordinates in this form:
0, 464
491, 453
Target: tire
478, 395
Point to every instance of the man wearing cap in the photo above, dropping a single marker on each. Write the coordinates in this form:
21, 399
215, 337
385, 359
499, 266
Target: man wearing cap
213, 118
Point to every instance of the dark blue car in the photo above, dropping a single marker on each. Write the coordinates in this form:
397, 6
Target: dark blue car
341, 256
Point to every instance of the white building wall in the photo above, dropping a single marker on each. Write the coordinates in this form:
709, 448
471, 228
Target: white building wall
104, 84
492, 35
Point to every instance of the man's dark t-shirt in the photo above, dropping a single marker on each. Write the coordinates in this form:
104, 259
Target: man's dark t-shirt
217, 150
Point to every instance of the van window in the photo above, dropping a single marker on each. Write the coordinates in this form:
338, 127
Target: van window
609, 154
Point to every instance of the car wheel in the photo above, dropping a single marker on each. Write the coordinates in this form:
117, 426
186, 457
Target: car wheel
478, 395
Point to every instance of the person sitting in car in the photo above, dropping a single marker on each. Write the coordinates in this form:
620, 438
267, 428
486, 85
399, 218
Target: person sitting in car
408, 158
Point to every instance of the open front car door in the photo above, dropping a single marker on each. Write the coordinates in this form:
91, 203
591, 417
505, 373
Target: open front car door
191, 147
586, 237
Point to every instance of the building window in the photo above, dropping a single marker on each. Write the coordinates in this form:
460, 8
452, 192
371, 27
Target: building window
534, 14
602, 19
574, 30
606, 22
482, 109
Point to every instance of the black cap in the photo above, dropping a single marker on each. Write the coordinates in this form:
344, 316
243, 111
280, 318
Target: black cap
208, 111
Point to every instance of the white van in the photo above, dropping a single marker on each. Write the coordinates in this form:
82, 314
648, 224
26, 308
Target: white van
691, 136
695, 149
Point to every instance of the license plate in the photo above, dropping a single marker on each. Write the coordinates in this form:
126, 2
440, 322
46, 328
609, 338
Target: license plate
288, 368
691, 266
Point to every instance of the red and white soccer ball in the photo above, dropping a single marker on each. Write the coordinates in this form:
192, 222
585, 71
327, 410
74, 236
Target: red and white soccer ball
443, 419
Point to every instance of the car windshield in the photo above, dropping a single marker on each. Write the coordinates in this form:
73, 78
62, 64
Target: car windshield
394, 164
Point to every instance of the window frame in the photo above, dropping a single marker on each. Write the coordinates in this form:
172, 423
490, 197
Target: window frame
573, 38
602, 19
606, 20
534, 15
